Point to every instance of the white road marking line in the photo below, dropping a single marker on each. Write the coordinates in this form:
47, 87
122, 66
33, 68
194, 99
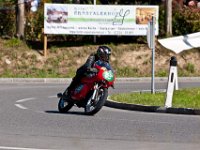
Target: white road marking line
148, 91
20, 106
54, 96
20, 148
25, 99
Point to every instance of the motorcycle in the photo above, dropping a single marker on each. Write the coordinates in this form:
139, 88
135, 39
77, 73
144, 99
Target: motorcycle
92, 92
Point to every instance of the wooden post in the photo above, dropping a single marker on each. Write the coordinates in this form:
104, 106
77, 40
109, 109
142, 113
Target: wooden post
45, 45
44, 40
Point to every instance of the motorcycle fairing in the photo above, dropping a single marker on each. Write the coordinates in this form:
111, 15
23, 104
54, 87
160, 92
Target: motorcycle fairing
105, 73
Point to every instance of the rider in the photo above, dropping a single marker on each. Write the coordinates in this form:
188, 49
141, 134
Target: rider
103, 53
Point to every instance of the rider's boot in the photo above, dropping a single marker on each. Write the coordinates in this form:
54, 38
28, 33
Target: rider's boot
73, 84
67, 93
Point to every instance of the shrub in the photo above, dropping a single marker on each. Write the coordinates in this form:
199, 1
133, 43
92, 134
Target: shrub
14, 42
185, 21
190, 68
7, 14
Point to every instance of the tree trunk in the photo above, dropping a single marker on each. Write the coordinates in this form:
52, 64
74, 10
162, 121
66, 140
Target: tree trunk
20, 19
168, 11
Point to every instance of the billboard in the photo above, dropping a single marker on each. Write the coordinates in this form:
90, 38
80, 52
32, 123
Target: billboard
128, 20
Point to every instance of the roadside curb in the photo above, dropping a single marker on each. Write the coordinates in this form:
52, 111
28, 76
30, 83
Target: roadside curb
63, 80
134, 107
34, 80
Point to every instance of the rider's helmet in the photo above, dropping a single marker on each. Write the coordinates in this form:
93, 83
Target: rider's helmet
103, 53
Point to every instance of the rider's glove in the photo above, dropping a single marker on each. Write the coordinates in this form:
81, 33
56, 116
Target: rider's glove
113, 86
94, 70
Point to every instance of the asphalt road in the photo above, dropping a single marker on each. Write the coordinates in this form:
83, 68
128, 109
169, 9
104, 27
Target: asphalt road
29, 120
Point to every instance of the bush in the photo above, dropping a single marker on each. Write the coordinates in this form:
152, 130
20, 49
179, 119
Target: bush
34, 24
7, 14
190, 68
185, 21
162, 31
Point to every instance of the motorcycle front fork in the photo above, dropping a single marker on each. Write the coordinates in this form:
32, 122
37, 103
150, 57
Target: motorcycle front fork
94, 94
95, 91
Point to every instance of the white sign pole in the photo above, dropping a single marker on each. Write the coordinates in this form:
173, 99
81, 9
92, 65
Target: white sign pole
172, 82
151, 44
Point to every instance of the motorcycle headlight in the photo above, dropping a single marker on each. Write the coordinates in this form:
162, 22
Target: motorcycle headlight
108, 75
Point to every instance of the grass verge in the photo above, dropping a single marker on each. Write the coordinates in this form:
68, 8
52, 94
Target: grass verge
183, 98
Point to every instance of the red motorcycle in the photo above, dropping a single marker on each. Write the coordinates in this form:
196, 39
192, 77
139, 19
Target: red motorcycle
91, 93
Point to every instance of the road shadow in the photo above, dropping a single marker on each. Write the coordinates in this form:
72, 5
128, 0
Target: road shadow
67, 113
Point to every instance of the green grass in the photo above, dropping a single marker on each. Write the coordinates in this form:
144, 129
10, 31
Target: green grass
183, 98
14, 43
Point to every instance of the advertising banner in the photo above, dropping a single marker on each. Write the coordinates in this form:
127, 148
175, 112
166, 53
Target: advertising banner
128, 20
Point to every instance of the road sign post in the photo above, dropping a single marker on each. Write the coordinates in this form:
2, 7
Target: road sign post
151, 44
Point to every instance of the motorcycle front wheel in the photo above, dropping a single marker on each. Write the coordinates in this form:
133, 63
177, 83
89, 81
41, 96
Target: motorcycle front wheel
64, 106
93, 106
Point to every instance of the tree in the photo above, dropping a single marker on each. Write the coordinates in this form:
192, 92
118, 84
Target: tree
20, 18
168, 10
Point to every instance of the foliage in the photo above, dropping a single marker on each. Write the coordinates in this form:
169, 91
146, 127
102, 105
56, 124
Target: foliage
14, 42
34, 24
190, 68
7, 14
162, 21
185, 21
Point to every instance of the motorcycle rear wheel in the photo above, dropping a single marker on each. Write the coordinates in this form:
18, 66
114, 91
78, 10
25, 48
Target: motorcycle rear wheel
94, 107
64, 106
